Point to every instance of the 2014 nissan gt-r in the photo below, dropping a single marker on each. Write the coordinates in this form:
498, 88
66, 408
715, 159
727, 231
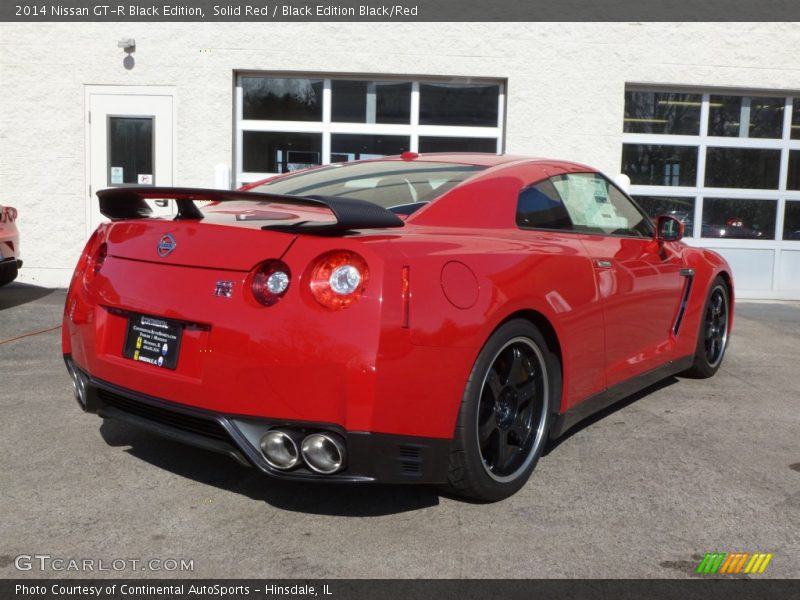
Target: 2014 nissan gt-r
414, 319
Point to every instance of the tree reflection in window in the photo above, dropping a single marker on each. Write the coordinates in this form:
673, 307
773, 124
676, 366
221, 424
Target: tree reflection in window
662, 112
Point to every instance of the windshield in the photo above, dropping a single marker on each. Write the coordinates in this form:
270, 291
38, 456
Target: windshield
397, 185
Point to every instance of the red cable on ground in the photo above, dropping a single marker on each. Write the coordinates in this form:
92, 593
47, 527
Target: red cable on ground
24, 335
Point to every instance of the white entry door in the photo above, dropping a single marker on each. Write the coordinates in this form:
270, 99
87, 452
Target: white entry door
130, 143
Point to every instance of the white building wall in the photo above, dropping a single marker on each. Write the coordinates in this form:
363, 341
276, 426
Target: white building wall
564, 93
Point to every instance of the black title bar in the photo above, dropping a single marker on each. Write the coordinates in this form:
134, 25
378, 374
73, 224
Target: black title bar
397, 10
402, 589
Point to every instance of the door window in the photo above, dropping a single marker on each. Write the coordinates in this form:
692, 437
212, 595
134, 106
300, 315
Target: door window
595, 206
130, 151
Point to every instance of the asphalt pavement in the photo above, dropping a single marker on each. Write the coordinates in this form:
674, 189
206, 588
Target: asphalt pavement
643, 489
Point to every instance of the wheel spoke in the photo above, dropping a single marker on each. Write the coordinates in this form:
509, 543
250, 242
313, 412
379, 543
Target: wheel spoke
717, 303
495, 385
525, 393
515, 368
486, 428
709, 330
504, 453
521, 434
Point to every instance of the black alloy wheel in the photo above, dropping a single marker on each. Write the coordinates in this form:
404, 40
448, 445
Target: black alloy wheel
504, 420
712, 336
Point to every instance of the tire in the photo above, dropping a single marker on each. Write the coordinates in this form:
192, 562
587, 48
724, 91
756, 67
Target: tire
8, 273
712, 335
506, 411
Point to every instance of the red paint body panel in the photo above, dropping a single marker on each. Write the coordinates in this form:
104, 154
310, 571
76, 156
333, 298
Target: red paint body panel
9, 234
360, 368
9, 245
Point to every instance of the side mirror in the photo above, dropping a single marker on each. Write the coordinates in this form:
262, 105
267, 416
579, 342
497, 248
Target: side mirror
668, 229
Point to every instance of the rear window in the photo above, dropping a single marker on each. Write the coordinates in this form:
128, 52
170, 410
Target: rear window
397, 185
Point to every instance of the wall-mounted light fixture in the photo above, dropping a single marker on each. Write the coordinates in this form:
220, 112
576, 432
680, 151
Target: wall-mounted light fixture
129, 46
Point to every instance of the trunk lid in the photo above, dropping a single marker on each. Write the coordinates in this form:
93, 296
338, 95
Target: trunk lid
225, 243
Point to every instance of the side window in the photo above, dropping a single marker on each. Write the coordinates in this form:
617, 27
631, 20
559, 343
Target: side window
539, 206
596, 206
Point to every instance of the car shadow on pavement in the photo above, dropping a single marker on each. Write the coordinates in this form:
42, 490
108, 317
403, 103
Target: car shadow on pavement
16, 294
330, 499
607, 412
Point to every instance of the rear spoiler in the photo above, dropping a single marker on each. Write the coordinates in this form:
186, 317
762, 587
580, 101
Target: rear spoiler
129, 203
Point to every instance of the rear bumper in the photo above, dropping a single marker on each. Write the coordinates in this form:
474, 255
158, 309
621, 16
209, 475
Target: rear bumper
376, 457
10, 263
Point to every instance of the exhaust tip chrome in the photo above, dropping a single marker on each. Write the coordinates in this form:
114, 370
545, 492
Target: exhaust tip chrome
323, 453
79, 384
279, 449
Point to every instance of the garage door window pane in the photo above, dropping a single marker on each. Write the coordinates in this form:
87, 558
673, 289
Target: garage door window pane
746, 116
458, 104
282, 99
739, 219
451, 144
660, 165
268, 152
749, 168
346, 147
680, 208
130, 150
662, 112
791, 220
370, 102
793, 173
795, 135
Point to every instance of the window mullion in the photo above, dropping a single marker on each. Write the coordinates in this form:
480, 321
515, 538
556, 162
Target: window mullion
327, 101
414, 142
701, 165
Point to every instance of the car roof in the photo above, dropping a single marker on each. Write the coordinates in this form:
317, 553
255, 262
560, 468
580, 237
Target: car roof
482, 159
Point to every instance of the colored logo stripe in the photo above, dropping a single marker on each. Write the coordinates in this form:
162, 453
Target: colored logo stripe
758, 563
711, 562
721, 562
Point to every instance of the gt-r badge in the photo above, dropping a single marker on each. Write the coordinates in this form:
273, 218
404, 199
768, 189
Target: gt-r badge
166, 245
224, 289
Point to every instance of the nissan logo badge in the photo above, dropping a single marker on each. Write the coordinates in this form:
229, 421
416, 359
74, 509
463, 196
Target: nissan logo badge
166, 245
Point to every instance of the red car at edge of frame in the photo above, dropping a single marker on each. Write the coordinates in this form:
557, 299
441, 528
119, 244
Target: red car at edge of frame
10, 263
415, 319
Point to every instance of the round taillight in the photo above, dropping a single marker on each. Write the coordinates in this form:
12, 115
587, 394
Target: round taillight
271, 281
338, 279
8, 214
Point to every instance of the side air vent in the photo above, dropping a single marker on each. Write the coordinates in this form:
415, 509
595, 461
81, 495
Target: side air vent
411, 468
409, 452
410, 460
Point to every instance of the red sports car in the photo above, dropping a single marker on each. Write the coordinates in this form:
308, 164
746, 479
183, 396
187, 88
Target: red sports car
414, 319
9, 245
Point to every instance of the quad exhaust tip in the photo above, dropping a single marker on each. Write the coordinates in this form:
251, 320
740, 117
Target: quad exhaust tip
280, 449
323, 453
79, 384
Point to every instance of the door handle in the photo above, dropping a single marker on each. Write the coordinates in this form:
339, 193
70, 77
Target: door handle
162, 203
603, 263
